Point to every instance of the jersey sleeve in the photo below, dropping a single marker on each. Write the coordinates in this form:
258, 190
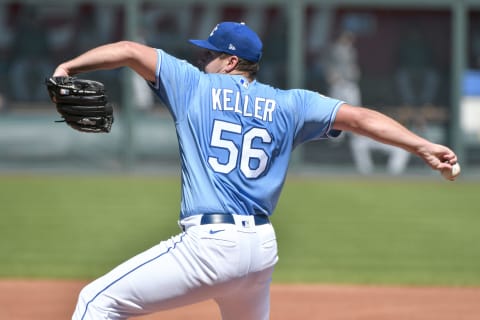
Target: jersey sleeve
174, 81
316, 117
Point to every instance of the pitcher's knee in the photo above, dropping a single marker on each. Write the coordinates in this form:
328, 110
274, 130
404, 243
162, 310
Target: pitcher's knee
93, 305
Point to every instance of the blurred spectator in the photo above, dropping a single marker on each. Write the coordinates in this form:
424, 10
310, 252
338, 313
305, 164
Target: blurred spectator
418, 84
143, 96
30, 57
6, 37
416, 78
273, 68
342, 59
343, 76
317, 40
475, 50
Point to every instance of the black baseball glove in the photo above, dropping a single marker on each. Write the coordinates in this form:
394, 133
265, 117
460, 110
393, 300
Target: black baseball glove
82, 103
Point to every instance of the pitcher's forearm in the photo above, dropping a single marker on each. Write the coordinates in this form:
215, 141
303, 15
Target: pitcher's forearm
387, 130
140, 58
382, 128
379, 127
108, 56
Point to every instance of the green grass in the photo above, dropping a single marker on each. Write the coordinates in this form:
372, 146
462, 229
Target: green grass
382, 232
415, 232
81, 227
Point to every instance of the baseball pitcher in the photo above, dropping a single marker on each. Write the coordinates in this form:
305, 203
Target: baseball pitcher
235, 138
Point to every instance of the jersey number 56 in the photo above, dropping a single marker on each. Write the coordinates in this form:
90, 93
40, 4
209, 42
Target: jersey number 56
247, 154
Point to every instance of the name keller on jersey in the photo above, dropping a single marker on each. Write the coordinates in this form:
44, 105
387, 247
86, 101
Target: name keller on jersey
229, 100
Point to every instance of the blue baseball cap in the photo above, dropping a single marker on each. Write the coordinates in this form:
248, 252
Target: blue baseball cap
233, 38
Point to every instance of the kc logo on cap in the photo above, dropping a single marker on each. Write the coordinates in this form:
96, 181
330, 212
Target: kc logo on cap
213, 31
233, 38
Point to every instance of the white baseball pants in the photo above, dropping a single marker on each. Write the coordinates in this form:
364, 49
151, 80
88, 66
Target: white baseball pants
230, 263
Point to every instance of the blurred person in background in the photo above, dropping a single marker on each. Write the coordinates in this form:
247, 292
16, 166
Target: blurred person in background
416, 78
343, 76
30, 61
6, 37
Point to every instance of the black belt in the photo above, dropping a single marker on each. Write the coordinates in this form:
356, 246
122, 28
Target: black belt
214, 218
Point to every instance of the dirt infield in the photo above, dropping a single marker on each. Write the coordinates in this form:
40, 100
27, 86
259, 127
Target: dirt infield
52, 300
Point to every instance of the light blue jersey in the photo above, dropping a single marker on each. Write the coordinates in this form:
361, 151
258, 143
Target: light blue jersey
235, 137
